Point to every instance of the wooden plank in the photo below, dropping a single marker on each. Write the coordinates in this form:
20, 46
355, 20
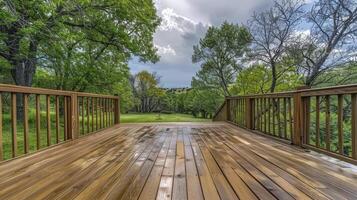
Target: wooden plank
340, 124
1, 137
223, 187
317, 130
208, 187
117, 162
221, 157
328, 127
26, 123
179, 190
57, 108
167, 177
152, 184
194, 190
13, 125
48, 119
38, 121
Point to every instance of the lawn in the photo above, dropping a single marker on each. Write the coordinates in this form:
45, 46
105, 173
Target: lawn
155, 117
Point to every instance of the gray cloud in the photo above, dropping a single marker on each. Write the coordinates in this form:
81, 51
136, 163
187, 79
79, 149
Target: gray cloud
184, 22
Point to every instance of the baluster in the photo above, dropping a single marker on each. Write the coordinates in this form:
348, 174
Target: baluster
26, 124
38, 121
65, 132
354, 126
88, 114
328, 128
285, 118
1, 138
13, 124
57, 119
48, 113
317, 142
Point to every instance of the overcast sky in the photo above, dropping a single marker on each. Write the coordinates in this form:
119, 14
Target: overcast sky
184, 22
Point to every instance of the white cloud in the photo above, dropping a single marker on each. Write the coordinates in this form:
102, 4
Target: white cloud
168, 50
184, 22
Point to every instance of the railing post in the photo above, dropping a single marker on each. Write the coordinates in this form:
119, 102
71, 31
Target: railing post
249, 112
228, 109
299, 117
296, 138
73, 125
117, 111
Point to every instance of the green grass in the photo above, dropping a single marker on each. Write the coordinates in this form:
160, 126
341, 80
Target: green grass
155, 117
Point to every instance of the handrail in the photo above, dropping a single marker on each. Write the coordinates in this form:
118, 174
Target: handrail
318, 118
34, 118
43, 91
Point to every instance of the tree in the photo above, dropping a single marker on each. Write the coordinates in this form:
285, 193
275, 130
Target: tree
218, 53
256, 79
332, 39
272, 31
30, 29
73, 40
146, 91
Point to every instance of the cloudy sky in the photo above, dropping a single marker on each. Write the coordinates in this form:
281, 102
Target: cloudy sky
184, 22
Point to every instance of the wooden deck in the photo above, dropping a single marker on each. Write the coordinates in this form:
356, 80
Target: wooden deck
176, 161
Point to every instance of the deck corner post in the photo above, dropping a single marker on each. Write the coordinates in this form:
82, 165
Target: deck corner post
117, 110
228, 109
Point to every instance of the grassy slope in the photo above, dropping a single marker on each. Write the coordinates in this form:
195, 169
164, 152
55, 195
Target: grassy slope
154, 117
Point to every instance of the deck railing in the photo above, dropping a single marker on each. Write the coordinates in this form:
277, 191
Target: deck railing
323, 119
35, 118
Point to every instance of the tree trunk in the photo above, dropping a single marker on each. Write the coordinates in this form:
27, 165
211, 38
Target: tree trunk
22, 74
273, 76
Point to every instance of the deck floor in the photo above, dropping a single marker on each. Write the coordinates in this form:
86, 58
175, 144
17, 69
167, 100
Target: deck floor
175, 161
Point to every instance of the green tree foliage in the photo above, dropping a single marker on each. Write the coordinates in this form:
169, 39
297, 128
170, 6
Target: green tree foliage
75, 45
44, 32
146, 91
257, 79
218, 53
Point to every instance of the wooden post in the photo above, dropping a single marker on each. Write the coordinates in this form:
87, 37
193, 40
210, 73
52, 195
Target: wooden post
297, 134
117, 110
299, 116
228, 109
249, 113
73, 125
